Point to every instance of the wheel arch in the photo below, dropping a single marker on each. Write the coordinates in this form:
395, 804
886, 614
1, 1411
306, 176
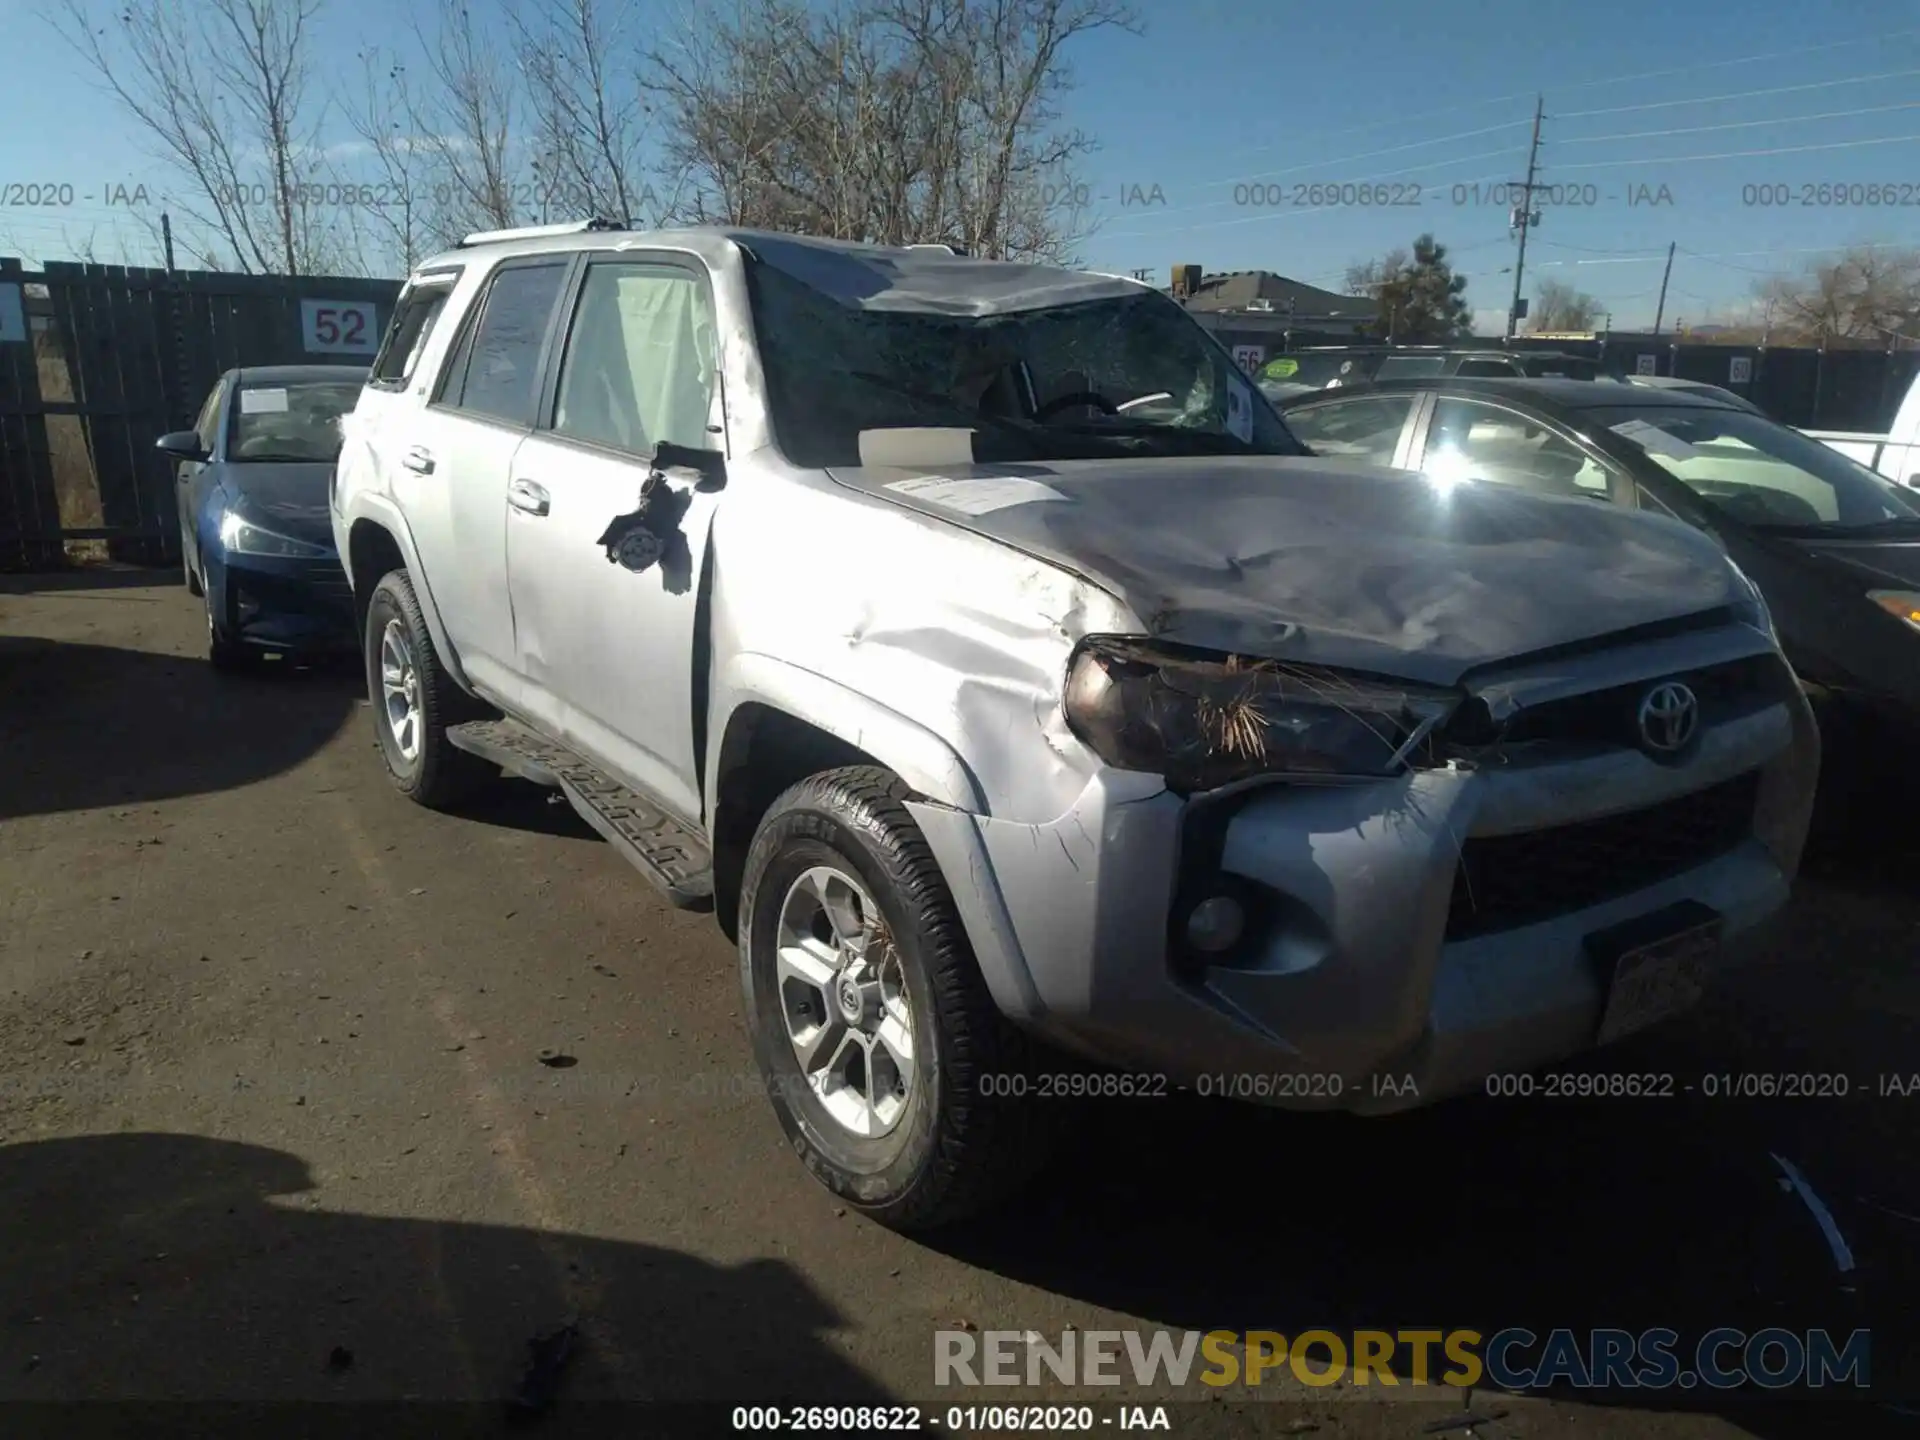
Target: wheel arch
783, 724
378, 541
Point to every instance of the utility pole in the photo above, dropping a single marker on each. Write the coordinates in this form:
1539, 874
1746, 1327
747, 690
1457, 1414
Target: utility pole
166, 238
1660, 313
1525, 217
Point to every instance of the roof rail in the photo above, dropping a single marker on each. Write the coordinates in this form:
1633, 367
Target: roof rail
540, 232
950, 249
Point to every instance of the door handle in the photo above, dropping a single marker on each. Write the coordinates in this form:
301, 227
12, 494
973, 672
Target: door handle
419, 461
526, 496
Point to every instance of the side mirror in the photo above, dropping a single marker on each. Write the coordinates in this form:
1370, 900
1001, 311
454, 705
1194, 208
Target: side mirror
181, 445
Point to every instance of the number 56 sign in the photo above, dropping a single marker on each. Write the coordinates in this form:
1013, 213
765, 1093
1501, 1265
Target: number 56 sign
338, 327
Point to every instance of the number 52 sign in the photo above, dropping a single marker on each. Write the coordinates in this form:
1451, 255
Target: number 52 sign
338, 327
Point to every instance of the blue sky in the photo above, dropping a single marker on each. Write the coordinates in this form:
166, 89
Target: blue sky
1213, 124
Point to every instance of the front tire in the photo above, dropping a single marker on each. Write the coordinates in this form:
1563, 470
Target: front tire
414, 701
883, 1053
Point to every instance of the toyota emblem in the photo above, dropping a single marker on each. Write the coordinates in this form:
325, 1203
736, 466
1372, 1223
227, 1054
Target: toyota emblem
1669, 717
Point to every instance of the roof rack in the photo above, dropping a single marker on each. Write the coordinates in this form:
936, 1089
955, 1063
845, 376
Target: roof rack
540, 232
949, 249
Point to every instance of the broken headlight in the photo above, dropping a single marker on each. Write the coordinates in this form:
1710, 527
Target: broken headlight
1203, 720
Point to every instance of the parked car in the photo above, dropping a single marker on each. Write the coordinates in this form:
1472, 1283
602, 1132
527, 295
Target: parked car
1688, 387
1894, 454
998, 720
1330, 367
1834, 548
251, 490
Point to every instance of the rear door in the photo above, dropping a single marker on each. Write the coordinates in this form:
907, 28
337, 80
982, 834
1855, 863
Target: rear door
608, 653
449, 460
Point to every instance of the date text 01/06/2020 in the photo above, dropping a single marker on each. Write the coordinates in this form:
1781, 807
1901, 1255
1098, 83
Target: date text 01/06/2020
959, 1419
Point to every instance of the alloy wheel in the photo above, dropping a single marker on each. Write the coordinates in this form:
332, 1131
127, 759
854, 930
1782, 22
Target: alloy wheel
844, 1001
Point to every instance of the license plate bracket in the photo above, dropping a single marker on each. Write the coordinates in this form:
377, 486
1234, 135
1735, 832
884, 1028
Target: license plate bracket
1654, 966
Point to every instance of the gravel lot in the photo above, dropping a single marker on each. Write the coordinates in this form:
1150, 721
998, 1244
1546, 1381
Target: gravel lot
277, 1128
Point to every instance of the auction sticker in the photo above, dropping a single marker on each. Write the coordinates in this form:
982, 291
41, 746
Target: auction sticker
975, 497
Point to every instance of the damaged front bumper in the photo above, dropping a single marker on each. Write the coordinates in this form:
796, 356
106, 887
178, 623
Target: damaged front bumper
1426, 931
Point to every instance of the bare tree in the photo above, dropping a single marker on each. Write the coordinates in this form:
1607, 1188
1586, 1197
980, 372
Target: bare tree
220, 89
582, 66
1868, 295
399, 196
1366, 277
470, 120
891, 121
1558, 306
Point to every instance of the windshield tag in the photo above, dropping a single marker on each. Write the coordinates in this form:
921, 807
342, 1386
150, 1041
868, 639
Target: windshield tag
975, 497
913, 445
1655, 440
1240, 410
263, 402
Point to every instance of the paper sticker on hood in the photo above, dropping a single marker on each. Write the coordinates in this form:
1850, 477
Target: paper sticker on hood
975, 497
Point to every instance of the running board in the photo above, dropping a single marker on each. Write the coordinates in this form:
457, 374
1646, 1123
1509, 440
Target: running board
667, 852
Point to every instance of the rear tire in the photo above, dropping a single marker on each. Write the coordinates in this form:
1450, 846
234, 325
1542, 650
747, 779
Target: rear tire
415, 701
954, 1142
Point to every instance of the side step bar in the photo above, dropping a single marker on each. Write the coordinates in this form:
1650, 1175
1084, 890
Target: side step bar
667, 852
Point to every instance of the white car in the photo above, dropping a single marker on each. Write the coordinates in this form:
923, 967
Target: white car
1895, 454
850, 594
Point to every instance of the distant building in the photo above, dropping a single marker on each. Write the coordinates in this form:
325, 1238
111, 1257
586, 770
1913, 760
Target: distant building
1256, 313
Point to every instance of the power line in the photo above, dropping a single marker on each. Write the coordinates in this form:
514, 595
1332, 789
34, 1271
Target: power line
1740, 124
1739, 95
1739, 154
1369, 155
1605, 80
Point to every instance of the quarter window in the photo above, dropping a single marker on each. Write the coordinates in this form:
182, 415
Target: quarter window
413, 321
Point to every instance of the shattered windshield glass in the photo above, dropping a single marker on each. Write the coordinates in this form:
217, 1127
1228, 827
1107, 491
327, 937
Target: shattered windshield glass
1094, 379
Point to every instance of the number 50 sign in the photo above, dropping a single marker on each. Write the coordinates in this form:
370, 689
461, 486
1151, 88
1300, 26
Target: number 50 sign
338, 327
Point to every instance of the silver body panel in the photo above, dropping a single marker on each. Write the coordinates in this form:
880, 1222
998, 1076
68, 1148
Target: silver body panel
938, 644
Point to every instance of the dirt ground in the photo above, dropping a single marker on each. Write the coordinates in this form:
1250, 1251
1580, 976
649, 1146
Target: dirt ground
277, 1129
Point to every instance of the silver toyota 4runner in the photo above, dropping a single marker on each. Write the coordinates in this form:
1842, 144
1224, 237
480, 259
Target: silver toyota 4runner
977, 643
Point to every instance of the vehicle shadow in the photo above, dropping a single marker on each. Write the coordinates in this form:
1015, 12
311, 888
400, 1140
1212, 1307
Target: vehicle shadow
516, 804
84, 726
145, 1268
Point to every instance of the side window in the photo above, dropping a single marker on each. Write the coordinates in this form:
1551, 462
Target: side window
413, 321
209, 417
1469, 440
1366, 429
640, 359
496, 369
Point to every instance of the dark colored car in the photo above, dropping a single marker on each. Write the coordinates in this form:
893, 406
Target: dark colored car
1337, 366
255, 538
1833, 547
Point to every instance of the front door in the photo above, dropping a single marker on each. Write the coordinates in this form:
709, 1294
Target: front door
608, 653
450, 463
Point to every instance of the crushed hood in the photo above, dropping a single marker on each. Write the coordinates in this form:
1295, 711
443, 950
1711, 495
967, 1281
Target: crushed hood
1327, 562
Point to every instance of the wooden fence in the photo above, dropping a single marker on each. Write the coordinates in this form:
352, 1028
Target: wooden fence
98, 361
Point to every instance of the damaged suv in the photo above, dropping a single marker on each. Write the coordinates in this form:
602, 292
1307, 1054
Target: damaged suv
980, 646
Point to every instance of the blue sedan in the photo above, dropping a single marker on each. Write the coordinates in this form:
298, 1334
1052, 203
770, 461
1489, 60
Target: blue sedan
255, 539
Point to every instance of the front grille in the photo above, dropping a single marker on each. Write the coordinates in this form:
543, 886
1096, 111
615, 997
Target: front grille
1609, 717
1505, 881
